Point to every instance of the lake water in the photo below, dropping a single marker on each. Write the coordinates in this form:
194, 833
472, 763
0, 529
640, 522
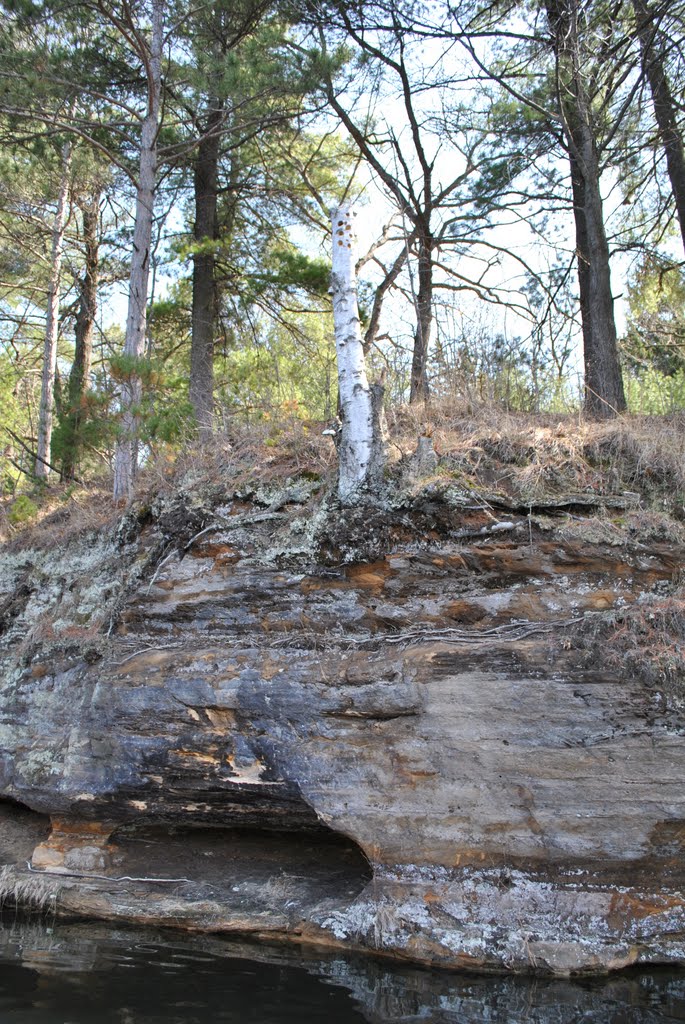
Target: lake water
83, 974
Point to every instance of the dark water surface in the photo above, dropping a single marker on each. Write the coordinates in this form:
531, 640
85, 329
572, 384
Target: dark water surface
91, 973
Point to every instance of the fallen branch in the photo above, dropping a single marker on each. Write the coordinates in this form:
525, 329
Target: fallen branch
165, 559
106, 878
486, 531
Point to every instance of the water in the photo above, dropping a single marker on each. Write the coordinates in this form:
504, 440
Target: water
90, 973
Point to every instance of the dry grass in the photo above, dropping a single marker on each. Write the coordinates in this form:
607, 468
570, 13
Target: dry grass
62, 513
521, 454
31, 893
524, 456
530, 456
250, 457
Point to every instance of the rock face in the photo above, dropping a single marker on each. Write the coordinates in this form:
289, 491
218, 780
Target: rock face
384, 739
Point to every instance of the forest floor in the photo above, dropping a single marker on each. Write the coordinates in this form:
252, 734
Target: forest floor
527, 459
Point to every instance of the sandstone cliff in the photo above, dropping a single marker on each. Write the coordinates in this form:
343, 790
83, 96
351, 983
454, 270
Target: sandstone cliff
438, 728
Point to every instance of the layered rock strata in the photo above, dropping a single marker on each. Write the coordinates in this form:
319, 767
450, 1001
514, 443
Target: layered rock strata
389, 743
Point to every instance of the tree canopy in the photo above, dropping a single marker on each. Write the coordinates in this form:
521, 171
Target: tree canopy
166, 178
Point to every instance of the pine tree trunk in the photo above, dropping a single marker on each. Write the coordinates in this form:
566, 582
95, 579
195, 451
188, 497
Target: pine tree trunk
664, 106
204, 310
360, 449
83, 339
47, 396
126, 454
424, 320
604, 395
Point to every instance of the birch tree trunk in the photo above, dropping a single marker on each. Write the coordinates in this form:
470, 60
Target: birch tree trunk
47, 391
126, 454
360, 448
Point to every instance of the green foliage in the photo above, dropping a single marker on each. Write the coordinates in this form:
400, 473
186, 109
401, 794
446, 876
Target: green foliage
124, 368
169, 324
82, 432
292, 269
22, 510
651, 392
19, 392
655, 335
166, 418
316, 66
287, 367
653, 347
165, 414
279, 171
29, 186
482, 365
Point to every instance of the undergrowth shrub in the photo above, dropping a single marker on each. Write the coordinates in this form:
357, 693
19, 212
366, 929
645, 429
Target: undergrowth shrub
22, 511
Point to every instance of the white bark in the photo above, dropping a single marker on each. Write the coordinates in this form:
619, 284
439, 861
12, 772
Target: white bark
359, 449
126, 455
47, 391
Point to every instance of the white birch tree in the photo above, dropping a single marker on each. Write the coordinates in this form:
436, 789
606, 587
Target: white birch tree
360, 450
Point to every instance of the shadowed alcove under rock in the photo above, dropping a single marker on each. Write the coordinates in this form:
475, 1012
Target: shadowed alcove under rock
254, 868
21, 829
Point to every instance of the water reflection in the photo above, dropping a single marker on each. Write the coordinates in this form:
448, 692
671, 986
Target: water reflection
89, 973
